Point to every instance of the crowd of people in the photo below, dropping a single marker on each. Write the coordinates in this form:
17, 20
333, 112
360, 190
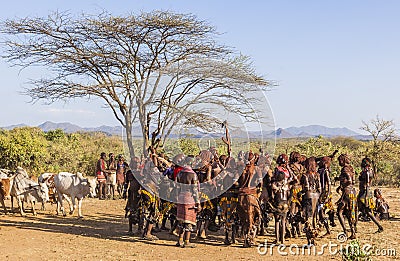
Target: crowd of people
207, 192
110, 175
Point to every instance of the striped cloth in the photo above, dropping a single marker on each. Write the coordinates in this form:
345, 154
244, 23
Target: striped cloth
186, 213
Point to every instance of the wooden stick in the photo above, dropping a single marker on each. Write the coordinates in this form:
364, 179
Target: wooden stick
227, 139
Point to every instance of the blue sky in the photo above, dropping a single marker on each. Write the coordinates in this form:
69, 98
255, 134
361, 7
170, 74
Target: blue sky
336, 62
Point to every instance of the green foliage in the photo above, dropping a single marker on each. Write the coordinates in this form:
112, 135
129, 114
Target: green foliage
54, 151
348, 142
80, 151
26, 147
53, 135
188, 146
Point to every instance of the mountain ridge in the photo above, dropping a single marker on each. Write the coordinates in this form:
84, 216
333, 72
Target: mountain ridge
290, 132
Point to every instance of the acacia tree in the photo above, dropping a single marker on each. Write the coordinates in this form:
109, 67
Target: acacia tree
383, 132
160, 69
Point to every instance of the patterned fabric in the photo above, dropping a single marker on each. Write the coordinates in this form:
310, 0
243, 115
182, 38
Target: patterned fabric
353, 206
295, 197
149, 207
368, 200
228, 206
328, 203
186, 213
166, 207
348, 201
152, 198
206, 201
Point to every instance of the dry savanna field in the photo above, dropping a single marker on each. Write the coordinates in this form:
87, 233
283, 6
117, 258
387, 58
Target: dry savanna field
102, 235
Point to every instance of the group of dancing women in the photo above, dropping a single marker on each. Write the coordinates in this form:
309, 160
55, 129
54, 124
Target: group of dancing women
242, 195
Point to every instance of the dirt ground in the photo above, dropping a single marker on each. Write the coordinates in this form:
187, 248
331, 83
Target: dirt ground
102, 235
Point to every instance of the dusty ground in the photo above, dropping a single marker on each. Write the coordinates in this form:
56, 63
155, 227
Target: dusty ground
102, 235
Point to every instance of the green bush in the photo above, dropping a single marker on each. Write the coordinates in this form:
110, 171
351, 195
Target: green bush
54, 151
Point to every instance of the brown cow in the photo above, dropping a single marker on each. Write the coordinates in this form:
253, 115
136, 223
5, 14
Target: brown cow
5, 188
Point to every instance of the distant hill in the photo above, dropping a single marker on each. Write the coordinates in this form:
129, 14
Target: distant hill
116, 130
65, 126
283, 133
14, 126
71, 128
315, 130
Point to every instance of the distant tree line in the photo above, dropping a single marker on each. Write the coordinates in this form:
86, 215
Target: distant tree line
56, 151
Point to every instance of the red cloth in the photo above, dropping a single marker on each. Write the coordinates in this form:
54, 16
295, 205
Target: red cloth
120, 172
176, 171
284, 170
101, 177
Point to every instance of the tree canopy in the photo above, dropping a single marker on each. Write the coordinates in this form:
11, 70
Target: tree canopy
161, 69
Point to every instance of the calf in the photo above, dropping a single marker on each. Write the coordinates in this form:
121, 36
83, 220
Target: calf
5, 187
48, 180
73, 186
93, 185
38, 194
24, 189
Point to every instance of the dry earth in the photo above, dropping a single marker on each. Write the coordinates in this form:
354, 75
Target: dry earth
102, 235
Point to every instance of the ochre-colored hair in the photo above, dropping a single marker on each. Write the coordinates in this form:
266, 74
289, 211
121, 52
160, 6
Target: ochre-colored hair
294, 157
282, 159
311, 165
205, 156
344, 159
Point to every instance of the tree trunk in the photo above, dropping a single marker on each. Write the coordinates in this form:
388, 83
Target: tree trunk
129, 140
146, 143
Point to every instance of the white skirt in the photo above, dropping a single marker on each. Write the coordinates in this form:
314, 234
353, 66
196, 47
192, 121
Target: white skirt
112, 179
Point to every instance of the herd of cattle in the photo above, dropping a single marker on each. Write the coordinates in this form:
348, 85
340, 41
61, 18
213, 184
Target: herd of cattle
49, 188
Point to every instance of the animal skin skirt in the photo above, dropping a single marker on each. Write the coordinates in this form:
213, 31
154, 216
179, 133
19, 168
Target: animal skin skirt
112, 179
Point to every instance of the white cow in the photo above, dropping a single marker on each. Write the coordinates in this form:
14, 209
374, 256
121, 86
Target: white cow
5, 173
73, 186
47, 179
26, 190
93, 185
